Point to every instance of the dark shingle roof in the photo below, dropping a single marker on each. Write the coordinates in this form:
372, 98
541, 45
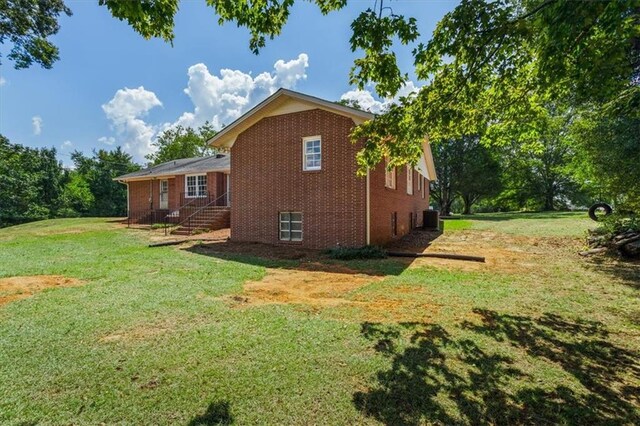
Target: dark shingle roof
219, 162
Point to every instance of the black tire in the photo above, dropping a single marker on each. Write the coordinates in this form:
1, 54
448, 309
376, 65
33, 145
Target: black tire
598, 206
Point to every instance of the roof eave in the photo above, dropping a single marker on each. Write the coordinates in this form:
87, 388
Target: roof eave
227, 136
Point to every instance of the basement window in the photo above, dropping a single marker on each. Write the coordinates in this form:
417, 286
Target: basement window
290, 226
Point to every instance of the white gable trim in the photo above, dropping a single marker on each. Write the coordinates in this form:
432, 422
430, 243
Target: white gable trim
283, 102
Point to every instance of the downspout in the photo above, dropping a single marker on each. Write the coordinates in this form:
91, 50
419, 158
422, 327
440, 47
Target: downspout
128, 205
368, 208
151, 194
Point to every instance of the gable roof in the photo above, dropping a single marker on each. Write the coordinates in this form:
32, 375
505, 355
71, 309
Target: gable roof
283, 101
213, 163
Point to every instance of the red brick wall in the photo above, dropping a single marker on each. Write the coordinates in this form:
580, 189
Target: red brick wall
216, 185
385, 201
267, 178
139, 193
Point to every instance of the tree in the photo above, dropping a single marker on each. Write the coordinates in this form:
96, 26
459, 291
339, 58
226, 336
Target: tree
27, 25
490, 63
76, 198
479, 175
536, 174
98, 171
31, 181
180, 142
443, 190
607, 156
491, 55
465, 169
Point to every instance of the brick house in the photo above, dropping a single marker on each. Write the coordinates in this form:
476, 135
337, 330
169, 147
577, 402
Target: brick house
294, 178
189, 188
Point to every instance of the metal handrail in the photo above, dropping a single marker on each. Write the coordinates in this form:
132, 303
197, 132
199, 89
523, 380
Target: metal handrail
188, 219
146, 217
165, 220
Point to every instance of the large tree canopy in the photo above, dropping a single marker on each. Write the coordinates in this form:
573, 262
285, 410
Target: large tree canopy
490, 67
180, 142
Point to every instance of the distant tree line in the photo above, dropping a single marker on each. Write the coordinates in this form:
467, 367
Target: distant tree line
34, 185
579, 157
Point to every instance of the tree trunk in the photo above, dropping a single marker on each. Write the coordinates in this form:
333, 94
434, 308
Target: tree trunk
445, 208
467, 205
548, 201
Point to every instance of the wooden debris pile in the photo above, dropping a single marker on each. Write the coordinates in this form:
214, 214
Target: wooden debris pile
626, 242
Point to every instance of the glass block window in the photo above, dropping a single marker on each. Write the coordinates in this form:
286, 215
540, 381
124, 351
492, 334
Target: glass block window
290, 226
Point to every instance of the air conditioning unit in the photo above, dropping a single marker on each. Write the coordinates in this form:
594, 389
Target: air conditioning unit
431, 219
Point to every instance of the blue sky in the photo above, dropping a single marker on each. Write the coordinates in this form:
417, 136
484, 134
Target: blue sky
112, 87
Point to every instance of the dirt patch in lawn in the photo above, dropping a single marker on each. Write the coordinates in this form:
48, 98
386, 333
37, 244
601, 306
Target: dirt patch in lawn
316, 291
142, 331
503, 253
16, 288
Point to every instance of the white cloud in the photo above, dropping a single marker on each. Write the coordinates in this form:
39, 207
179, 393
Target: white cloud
368, 102
66, 145
107, 140
2, 81
36, 122
221, 99
125, 111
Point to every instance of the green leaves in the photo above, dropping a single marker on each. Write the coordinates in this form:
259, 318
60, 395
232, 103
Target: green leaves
27, 25
181, 142
374, 34
149, 18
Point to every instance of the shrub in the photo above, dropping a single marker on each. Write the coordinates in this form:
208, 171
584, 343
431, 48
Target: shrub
351, 253
618, 223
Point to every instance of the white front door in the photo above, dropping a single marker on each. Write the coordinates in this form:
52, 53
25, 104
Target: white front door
164, 194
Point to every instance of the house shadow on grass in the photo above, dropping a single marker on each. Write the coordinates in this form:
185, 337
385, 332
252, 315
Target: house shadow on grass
217, 413
436, 377
296, 258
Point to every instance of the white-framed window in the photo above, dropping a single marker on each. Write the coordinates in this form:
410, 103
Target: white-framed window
409, 180
312, 153
424, 185
196, 186
419, 182
290, 226
389, 175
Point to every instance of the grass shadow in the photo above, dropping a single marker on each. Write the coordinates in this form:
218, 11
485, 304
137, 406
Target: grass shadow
627, 271
285, 257
435, 377
217, 413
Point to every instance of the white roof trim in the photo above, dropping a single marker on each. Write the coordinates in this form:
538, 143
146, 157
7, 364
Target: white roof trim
425, 165
227, 136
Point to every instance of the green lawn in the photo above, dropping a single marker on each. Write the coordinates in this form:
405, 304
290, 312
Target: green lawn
149, 340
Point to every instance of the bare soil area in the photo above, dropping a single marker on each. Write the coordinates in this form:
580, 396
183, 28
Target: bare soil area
316, 285
316, 291
16, 288
503, 253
